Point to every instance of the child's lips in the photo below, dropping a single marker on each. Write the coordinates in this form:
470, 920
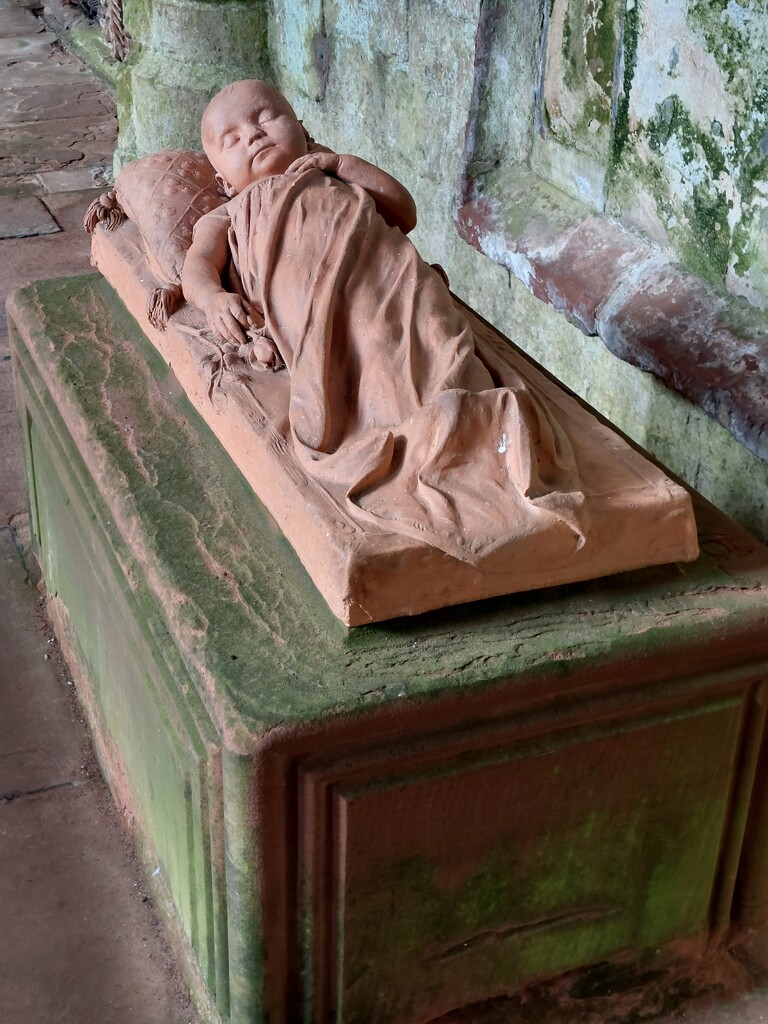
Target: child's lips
263, 149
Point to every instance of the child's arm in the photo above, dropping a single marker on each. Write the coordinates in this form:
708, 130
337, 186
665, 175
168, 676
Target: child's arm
227, 314
393, 200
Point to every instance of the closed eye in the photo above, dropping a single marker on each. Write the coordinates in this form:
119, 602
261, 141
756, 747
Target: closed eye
230, 139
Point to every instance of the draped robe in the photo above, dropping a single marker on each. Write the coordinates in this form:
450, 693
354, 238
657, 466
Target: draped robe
391, 411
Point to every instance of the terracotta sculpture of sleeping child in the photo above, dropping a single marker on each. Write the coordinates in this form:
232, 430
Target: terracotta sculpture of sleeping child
390, 408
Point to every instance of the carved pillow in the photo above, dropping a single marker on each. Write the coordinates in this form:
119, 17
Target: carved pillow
165, 194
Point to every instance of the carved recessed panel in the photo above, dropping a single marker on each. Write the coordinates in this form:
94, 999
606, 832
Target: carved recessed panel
436, 880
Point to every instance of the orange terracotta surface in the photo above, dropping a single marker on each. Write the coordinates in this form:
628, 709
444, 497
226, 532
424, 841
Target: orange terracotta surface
412, 462
635, 514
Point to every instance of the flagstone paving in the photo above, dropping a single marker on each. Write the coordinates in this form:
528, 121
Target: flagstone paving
82, 943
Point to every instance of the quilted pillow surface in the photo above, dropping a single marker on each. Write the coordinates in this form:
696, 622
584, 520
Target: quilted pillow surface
165, 194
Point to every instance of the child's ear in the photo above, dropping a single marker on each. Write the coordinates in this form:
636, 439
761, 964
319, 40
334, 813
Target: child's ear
225, 188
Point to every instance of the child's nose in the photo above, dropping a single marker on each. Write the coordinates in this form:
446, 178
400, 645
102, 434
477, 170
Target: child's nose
255, 133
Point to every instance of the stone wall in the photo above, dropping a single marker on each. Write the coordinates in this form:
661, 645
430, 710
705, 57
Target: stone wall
647, 112
692, 165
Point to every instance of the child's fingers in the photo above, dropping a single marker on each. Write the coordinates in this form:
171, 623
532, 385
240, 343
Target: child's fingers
323, 161
238, 310
227, 328
254, 316
228, 318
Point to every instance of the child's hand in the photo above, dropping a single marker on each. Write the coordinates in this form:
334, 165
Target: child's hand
322, 159
228, 317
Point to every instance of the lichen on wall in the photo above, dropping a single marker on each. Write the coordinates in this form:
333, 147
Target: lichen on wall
693, 168
580, 66
654, 110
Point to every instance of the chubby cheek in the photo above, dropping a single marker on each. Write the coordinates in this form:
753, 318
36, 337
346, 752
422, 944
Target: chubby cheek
301, 147
278, 160
224, 165
276, 164
292, 143
239, 173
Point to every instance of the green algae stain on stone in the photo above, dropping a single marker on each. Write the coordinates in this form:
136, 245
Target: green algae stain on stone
481, 897
554, 888
744, 249
200, 530
704, 236
703, 164
723, 35
674, 120
573, 65
183, 51
583, 40
629, 62
137, 15
709, 252
601, 41
134, 675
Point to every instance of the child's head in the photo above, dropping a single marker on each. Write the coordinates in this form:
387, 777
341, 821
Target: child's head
250, 132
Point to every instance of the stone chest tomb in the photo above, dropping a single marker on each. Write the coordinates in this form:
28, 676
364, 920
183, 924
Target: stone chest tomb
380, 824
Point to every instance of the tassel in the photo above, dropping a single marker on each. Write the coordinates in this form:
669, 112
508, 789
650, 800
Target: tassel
162, 303
105, 210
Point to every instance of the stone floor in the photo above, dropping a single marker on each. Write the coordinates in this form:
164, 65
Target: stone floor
83, 943
82, 940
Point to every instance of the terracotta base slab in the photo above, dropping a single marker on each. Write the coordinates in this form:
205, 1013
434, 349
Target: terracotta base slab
640, 517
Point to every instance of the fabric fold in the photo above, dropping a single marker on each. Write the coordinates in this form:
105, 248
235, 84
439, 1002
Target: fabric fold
390, 410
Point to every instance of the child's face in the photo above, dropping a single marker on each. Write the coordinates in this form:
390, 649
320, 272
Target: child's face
250, 132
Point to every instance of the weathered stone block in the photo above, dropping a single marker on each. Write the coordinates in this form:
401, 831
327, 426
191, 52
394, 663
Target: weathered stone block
671, 324
377, 824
